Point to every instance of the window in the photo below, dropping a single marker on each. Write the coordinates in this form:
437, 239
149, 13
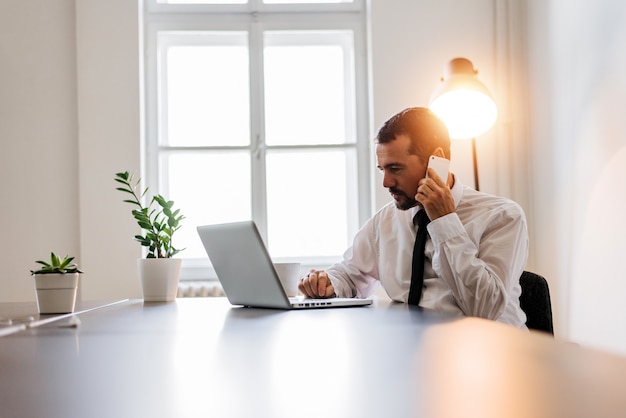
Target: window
259, 111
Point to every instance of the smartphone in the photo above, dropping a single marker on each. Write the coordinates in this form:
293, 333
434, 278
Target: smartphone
440, 165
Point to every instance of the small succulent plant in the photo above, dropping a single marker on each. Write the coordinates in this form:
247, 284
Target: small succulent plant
57, 265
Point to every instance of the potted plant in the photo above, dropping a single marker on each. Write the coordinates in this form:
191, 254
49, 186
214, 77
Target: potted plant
159, 273
56, 283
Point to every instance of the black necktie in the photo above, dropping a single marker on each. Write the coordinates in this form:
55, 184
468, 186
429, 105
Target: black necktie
417, 272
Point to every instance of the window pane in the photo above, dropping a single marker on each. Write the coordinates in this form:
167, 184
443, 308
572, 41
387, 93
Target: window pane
208, 187
309, 88
206, 95
246, 1
311, 202
203, 1
305, 1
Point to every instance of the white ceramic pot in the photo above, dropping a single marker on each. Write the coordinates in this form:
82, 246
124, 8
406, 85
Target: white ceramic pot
56, 293
159, 278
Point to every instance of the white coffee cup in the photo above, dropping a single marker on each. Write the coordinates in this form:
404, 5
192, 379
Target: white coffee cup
289, 275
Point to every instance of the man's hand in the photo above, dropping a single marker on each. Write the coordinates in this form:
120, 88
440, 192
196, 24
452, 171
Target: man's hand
316, 285
435, 196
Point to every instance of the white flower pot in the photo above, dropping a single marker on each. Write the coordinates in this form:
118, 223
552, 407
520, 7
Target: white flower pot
159, 278
56, 293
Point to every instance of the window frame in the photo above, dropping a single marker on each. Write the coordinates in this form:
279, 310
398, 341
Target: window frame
256, 18
254, 6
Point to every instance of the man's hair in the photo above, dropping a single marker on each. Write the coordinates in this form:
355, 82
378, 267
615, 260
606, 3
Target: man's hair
425, 130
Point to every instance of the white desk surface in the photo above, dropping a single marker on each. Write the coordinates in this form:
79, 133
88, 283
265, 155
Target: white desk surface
200, 357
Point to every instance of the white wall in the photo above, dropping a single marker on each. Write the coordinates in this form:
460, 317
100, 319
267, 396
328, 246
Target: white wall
69, 119
39, 208
579, 102
107, 34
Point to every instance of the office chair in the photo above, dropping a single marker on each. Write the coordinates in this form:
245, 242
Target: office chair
535, 302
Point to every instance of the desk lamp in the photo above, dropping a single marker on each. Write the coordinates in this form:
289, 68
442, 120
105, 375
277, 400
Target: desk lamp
464, 104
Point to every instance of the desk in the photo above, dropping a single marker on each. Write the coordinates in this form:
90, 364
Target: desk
19, 316
200, 357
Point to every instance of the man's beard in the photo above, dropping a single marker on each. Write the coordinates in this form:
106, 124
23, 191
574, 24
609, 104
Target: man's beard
404, 204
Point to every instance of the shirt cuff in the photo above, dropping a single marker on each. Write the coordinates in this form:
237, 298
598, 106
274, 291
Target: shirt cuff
338, 286
444, 228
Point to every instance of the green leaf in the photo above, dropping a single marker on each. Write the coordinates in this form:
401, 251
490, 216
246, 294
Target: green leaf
133, 202
145, 225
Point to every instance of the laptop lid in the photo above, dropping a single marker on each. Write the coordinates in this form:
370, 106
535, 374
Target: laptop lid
246, 271
243, 265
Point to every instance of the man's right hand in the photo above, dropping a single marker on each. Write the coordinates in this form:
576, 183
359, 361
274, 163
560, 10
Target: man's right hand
316, 284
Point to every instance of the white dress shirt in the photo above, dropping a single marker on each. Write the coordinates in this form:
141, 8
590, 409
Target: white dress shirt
474, 257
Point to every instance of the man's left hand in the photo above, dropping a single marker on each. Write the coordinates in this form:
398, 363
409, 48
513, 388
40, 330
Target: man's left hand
435, 196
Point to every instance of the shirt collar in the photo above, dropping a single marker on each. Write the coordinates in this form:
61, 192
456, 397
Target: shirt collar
457, 191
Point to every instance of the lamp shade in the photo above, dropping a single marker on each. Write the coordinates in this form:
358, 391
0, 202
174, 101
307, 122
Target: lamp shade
462, 102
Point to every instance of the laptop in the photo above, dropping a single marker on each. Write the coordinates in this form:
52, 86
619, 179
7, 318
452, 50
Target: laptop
247, 274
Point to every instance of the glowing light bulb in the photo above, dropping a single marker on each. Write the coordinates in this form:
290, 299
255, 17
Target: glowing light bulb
462, 102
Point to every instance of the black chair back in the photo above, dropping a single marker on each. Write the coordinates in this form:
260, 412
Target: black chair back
535, 302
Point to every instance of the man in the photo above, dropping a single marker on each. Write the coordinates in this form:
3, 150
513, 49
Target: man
477, 244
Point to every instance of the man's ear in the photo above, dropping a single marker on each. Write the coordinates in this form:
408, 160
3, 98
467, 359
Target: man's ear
438, 152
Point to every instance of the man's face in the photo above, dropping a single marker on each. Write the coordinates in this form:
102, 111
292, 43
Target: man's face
401, 170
